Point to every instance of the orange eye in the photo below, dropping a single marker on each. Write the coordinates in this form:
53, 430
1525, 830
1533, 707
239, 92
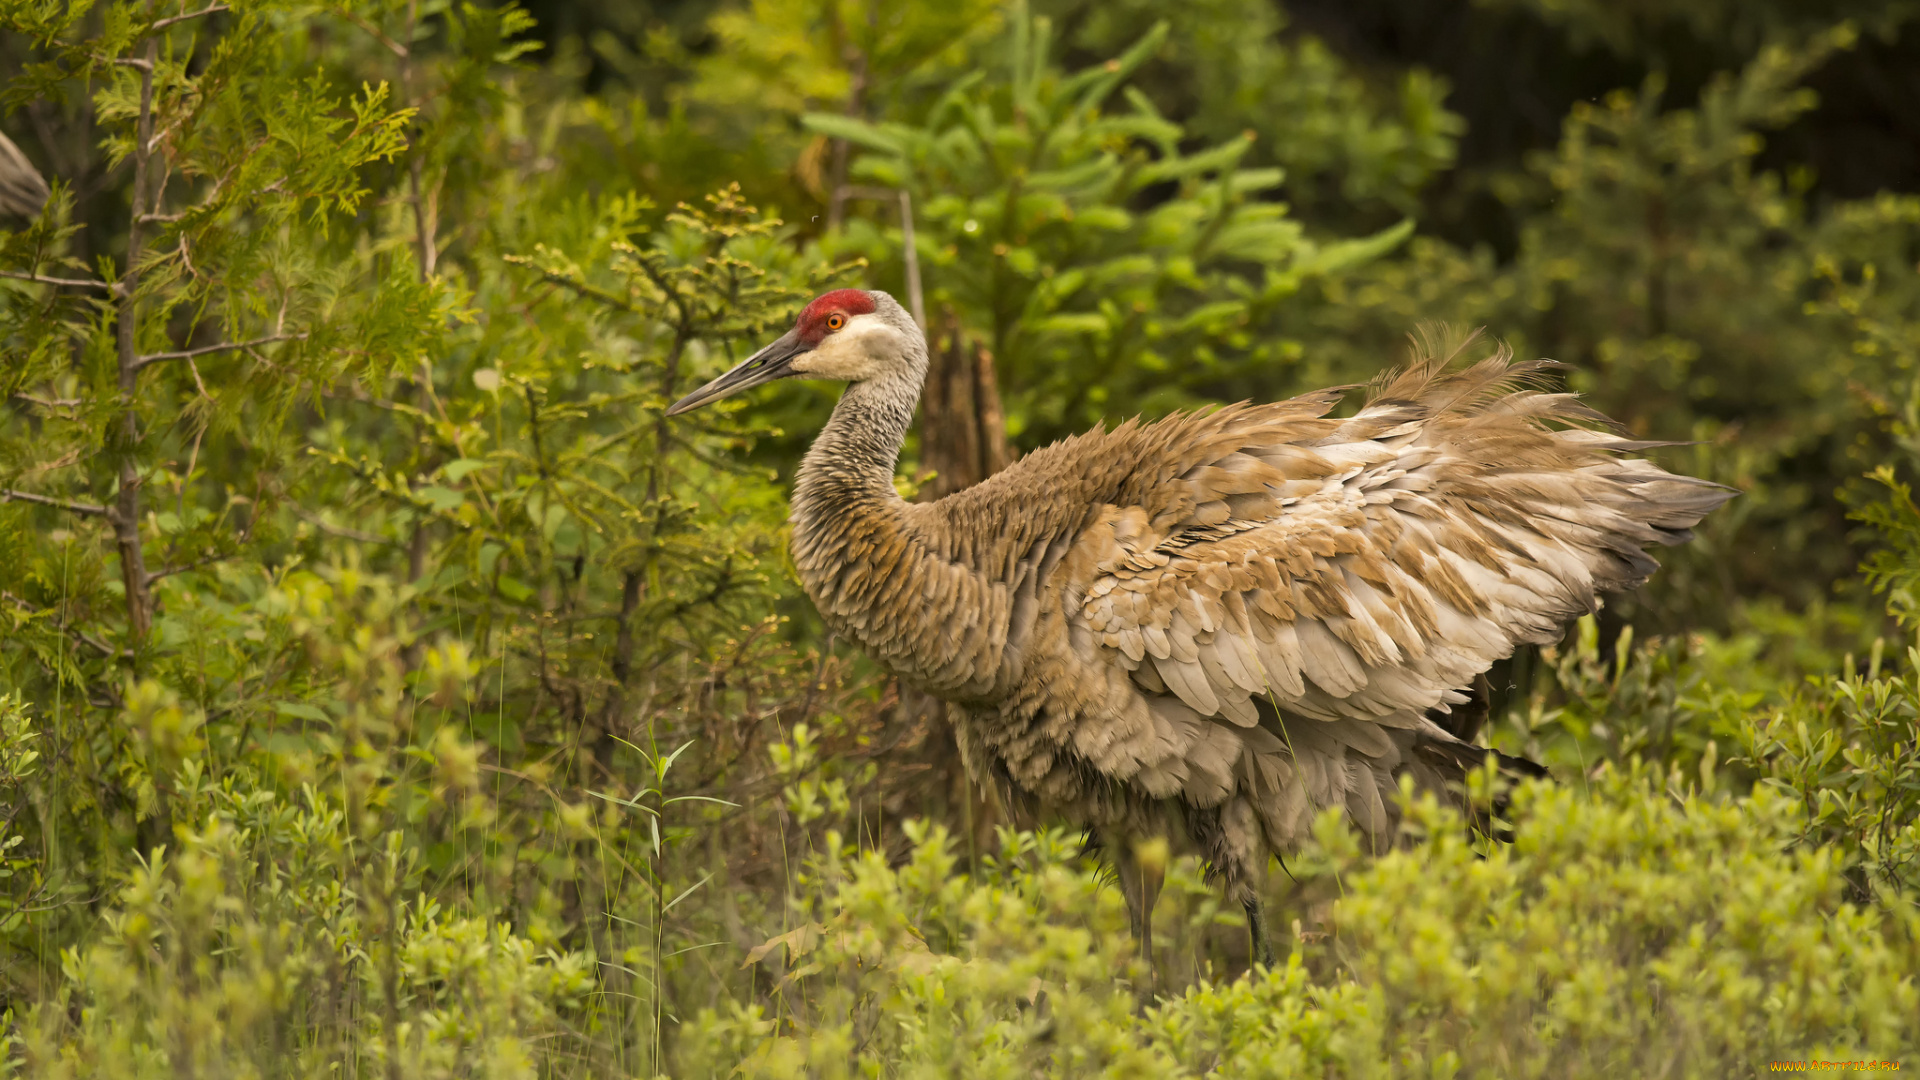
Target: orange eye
836, 320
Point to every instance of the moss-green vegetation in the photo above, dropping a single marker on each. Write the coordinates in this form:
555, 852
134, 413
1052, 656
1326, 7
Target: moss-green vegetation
388, 689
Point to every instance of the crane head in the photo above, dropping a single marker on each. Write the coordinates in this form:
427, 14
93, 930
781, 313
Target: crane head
848, 334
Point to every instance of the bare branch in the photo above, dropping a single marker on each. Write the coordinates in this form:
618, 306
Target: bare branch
133, 62
393, 46
210, 9
225, 346
202, 387
10, 495
916, 299
76, 283
169, 571
104, 650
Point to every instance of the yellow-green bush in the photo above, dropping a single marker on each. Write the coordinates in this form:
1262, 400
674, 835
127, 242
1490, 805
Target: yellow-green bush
1641, 925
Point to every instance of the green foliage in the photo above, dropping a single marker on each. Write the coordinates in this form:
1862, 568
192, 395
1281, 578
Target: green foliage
19, 761
1025, 192
1625, 932
355, 782
792, 55
1895, 568
1668, 700
1646, 27
284, 929
1345, 148
388, 687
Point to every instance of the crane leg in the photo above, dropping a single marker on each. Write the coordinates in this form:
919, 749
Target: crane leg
1257, 931
1140, 883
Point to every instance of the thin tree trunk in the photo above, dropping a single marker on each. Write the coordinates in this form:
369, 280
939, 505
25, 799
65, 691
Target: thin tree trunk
632, 585
963, 431
125, 433
426, 251
857, 108
996, 452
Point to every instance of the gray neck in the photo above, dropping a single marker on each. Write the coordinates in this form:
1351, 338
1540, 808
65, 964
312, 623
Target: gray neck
853, 459
865, 560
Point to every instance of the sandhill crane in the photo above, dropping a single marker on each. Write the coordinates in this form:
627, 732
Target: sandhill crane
1209, 627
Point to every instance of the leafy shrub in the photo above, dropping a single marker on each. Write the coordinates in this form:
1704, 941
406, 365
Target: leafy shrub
1632, 928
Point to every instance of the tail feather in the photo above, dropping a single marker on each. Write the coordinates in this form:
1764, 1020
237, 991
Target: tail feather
1454, 760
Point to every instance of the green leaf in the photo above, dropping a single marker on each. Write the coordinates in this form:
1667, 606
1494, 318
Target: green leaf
1347, 254
858, 132
1072, 324
442, 499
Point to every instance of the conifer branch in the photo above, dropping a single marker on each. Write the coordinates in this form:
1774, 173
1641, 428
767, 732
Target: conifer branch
10, 495
75, 632
225, 346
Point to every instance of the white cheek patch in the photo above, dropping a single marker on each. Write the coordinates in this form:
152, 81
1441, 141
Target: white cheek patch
847, 354
828, 360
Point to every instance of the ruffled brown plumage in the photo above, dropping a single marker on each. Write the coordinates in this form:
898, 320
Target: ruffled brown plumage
1212, 626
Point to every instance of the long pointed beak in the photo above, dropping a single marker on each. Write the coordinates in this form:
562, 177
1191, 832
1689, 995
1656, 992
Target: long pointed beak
773, 362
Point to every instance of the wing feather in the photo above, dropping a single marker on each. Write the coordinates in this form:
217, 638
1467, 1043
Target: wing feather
1263, 603
1358, 571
